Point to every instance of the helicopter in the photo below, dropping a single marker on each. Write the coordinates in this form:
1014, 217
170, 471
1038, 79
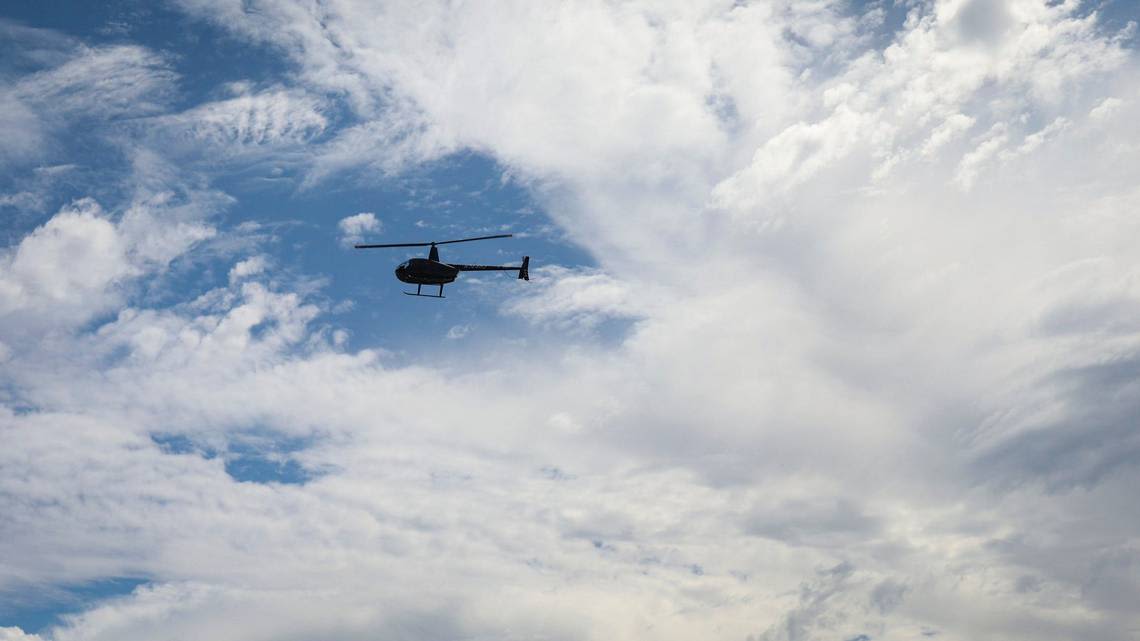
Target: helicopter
432, 271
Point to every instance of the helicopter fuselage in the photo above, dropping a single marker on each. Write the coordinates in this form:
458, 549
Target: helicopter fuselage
431, 271
424, 271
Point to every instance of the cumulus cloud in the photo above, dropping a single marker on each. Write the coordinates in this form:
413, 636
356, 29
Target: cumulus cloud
75, 265
883, 368
353, 228
248, 267
85, 261
76, 255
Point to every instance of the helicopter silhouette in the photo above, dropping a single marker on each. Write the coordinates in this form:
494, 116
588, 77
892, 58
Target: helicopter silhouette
433, 271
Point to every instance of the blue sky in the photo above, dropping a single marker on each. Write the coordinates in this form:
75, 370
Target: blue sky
464, 194
830, 333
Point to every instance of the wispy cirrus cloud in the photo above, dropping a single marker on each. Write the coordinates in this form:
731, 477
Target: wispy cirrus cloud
274, 120
101, 82
92, 84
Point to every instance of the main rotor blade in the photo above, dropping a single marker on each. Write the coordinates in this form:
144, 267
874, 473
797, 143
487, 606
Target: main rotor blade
439, 242
393, 245
464, 240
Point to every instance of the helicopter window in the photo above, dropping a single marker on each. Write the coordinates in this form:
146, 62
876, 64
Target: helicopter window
403, 265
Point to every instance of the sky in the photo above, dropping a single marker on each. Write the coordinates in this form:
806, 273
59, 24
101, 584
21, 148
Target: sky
831, 334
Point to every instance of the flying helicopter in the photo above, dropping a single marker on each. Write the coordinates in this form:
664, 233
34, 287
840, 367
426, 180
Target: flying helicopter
432, 271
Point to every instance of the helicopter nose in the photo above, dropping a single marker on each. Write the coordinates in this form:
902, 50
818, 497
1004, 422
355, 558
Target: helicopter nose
401, 273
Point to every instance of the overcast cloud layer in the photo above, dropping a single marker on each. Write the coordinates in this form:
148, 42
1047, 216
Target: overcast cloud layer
879, 376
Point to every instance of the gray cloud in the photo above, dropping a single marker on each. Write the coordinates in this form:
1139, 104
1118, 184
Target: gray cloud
817, 522
1094, 435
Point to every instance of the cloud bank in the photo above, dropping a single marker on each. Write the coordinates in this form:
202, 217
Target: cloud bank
879, 379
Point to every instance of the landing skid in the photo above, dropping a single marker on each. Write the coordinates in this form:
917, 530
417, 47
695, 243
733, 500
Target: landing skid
419, 287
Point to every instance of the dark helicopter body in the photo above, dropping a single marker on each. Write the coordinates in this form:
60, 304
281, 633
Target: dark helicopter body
424, 271
432, 271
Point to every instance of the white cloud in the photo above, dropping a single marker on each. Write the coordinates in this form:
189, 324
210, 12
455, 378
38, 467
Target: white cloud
83, 260
248, 267
953, 127
905, 407
988, 148
16, 634
21, 131
1105, 109
353, 228
574, 298
271, 120
79, 97
90, 84
792, 157
101, 82
75, 257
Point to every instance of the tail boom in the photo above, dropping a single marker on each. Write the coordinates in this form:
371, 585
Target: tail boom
523, 270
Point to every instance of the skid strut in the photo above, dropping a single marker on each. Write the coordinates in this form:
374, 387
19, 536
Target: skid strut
419, 292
